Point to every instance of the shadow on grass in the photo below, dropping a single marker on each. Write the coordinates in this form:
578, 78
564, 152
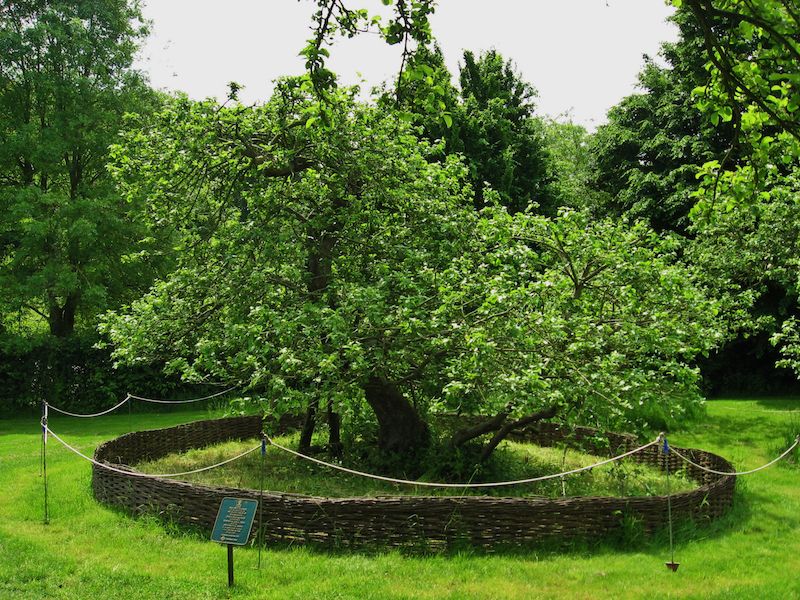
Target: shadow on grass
790, 403
767, 403
749, 428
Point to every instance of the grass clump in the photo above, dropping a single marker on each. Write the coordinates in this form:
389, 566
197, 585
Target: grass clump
787, 435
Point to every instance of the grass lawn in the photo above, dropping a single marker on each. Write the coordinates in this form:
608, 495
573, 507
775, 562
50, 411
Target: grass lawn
89, 551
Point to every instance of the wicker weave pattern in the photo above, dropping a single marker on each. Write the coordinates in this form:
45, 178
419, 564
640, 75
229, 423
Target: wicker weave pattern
424, 522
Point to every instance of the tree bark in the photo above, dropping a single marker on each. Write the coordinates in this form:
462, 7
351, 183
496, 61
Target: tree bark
27, 172
75, 173
400, 428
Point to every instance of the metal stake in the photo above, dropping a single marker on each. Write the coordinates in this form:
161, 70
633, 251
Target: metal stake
41, 445
44, 463
261, 498
671, 564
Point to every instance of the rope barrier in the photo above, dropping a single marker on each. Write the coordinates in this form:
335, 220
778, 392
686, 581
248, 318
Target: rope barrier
461, 485
737, 473
88, 416
147, 475
130, 396
157, 401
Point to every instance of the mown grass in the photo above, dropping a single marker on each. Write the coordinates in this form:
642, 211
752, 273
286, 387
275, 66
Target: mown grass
510, 462
90, 551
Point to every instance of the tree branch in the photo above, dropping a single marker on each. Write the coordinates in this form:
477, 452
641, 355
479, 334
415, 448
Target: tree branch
462, 436
502, 433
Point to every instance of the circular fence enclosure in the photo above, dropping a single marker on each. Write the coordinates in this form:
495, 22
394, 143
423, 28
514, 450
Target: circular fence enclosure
428, 523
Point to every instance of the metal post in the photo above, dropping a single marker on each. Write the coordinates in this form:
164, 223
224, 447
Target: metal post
672, 565
669, 516
41, 445
44, 462
230, 565
261, 498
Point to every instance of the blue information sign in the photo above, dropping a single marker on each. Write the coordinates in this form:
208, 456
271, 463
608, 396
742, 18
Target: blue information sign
234, 521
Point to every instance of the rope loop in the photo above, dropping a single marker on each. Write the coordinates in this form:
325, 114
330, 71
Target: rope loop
147, 475
130, 397
189, 401
89, 416
738, 473
459, 485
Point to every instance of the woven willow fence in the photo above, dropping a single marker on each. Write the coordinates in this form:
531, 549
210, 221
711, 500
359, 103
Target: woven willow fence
424, 522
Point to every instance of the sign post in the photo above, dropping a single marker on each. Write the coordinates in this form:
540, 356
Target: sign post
230, 565
233, 525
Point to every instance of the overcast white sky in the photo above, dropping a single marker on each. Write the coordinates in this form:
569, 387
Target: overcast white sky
582, 55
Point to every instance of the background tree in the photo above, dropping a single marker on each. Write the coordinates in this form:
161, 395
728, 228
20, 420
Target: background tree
749, 259
645, 159
71, 245
753, 52
489, 120
660, 158
571, 159
503, 144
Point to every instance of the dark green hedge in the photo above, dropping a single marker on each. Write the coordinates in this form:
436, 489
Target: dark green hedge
73, 374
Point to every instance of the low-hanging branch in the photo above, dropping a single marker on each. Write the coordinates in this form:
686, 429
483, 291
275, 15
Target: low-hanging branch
462, 436
501, 426
505, 430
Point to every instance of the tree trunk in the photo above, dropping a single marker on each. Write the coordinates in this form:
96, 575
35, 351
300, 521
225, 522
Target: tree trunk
27, 172
400, 428
334, 431
319, 265
62, 318
75, 173
308, 426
